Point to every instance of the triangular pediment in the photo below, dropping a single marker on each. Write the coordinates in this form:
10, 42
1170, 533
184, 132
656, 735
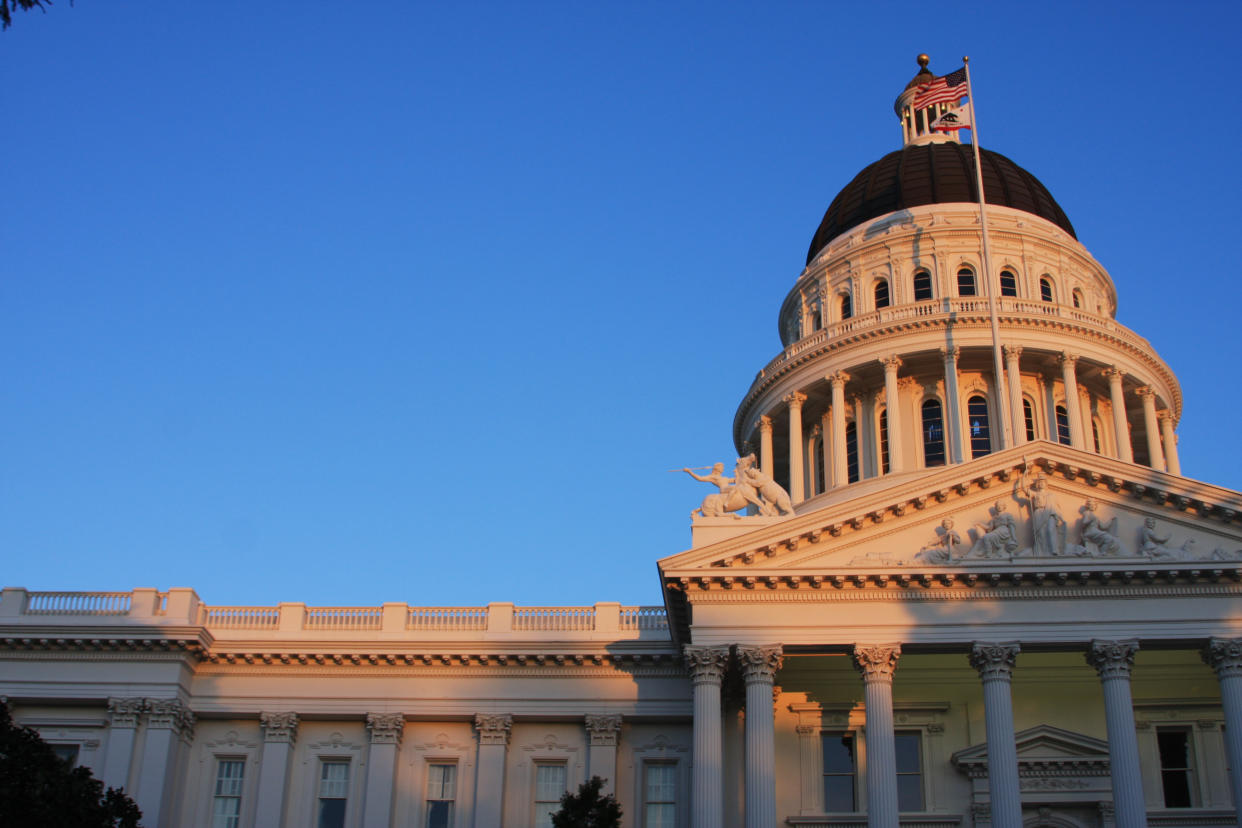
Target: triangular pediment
1037, 505
1042, 744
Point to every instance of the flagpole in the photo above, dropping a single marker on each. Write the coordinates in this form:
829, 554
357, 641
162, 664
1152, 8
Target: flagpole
1002, 397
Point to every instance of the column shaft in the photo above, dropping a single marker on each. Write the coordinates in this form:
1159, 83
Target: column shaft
765, 445
1014, 376
490, 775
1225, 657
1121, 424
995, 665
1171, 460
759, 665
839, 474
952, 407
825, 436
877, 663
1155, 457
1073, 410
707, 665
1114, 661
892, 414
796, 469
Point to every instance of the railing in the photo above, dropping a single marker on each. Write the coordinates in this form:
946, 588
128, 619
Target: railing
78, 603
241, 618
440, 619
644, 618
554, 618
344, 618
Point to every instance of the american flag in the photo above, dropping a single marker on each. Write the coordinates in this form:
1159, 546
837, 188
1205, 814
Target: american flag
949, 88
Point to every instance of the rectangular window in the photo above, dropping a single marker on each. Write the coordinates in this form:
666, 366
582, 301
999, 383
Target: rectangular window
226, 803
840, 771
67, 754
659, 795
441, 794
909, 770
333, 793
1028, 415
549, 785
1176, 767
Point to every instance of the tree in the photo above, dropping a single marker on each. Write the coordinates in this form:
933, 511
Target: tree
38, 789
7, 7
587, 809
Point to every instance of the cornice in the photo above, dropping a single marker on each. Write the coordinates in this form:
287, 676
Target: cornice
105, 648
995, 586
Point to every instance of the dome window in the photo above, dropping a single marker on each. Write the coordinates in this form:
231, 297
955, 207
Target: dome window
933, 434
847, 307
1028, 415
1063, 429
851, 452
881, 294
1077, 295
966, 282
980, 433
922, 286
884, 441
1009, 283
1045, 289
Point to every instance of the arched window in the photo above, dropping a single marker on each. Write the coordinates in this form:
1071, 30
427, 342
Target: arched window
847, 307
1077, 297
933, 433
922, 286
980, 433
966, 282
1045, 289
1063, 431
1009, 283
881, 294
1028, 414
851, 452
817, 462
884, 441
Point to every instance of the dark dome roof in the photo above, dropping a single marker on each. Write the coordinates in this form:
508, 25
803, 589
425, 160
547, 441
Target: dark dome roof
940, 173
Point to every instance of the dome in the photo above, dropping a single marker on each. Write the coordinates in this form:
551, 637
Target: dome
934, 173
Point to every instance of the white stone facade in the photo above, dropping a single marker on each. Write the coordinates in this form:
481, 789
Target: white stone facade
1017, 614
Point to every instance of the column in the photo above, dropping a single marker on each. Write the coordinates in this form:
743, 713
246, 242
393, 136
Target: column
796, 471
603, 729
280, 731
825, 430
838, 381
1073, 410
765, 445
166, 718
1121, 425
123, 715
1114, 660
1224, 655
1014, 376
706, 666
1154, 454
812, 479
877, 663
995, 665
759, 666
1170, 443
953, 404
489, 799
386, 732
892, 409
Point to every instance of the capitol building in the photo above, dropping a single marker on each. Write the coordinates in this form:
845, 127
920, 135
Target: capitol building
954, 577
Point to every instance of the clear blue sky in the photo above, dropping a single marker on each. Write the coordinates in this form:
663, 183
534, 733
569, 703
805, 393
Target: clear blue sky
352, 303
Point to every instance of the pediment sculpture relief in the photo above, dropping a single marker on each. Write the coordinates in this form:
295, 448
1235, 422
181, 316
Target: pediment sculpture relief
749, 486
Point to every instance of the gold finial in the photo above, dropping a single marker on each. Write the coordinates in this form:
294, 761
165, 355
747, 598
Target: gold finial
923, 61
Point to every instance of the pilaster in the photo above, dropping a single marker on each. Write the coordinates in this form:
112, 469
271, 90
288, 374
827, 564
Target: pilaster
493, 730
280, 732
603, 730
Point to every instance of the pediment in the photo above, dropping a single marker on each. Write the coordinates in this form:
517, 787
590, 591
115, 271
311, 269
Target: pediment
1040, 505
1043, 744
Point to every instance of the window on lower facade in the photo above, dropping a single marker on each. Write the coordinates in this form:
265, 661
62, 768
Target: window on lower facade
980, 432
909, 770
884, 441
851, 452
966, 282
1176, 766
441, 794
549, 785
922, 286
67, 754
333, 793
840, 771
1028, 414
1009, 283
933, 434
1063, 429
881, 294
659, 795
226, 802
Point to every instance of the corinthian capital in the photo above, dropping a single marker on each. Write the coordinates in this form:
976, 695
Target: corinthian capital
168, 714
994, 661
603, 727
386, 728
838, 378
951, 354
1113, 373
1012, 351
1066, 359
760, 663
891, 363
1112, 659
706, 664
876, 662
125, 712
493, 728
279, 727
794, 400
765, 424
1224, 655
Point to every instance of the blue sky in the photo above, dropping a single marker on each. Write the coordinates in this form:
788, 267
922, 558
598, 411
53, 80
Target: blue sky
418, 302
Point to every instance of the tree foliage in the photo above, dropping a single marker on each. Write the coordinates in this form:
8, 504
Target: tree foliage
7, 7
587, 809
38, 789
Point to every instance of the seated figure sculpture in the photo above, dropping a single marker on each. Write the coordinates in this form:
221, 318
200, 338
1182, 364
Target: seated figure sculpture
998, 538
1103, 535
